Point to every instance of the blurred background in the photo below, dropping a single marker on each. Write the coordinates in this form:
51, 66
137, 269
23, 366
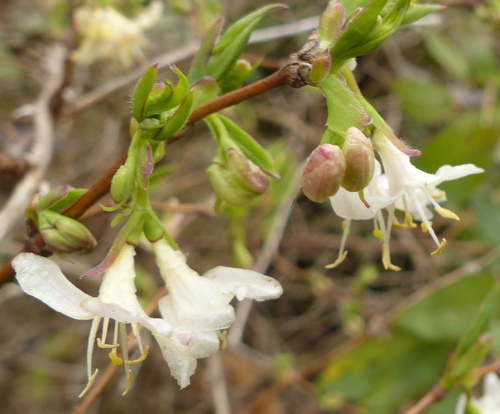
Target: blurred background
354, 339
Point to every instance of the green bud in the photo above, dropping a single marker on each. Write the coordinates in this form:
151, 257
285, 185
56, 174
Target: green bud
64, 234
239, 181
330, 22
122, 184
360, 160
323, 173
238, 74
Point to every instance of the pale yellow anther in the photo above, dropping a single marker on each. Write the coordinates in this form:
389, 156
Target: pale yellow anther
129, 382
378, 234
440, 195
424, 227
104, 345
440, 248
222, 338
444, 212
386, 260
143, 356
408, 224
115, 359
89, 383
339, 260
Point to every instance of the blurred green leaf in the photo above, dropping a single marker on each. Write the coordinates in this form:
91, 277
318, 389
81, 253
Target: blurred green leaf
233, 41
425, 101
444, 315
377, 373
449, 55
487, 219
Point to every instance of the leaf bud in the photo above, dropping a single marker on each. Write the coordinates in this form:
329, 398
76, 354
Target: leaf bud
323, 173
239, 181
122, 184
64, 234
360, 160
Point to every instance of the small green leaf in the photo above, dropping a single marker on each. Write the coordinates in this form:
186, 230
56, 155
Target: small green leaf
231, 44
141, 92
177, 121
200, 62
247, 144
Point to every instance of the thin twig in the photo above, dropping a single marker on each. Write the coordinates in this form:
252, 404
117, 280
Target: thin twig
41, 152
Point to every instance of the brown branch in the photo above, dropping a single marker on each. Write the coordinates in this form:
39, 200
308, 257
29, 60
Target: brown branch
101, 187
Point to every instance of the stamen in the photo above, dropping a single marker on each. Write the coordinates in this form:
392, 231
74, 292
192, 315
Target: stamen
90, 344
386, 259
135, 330
439, 249
105, 325
439, 195
376, 230
128, 374
444, 212
222, 337
103, 345
115, 359
89, 383
408, 224
425, 220
137, 361
346, 226
339, 260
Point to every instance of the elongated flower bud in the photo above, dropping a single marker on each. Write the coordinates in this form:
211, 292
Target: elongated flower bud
323, 173
64, 234
360, 160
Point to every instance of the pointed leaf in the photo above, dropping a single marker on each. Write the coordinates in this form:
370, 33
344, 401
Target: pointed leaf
177, 121
141, 92
235, 39
200, 62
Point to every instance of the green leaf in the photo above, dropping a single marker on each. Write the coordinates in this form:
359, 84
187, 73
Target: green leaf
419, 11
425, 101
141, 92
247, 144
487, 218
449, 55
344, 109
200, 62
443, 315
234, 40
177, 121
382, 374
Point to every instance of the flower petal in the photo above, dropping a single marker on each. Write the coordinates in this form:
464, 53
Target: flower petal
244, 283
448, 173
42, 278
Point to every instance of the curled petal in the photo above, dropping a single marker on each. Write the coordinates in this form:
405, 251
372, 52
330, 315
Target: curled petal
244, 283
42, 278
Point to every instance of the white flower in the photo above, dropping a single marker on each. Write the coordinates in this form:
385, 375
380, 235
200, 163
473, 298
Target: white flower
198, 307
402, 186
489, 403
42, 278
106, 34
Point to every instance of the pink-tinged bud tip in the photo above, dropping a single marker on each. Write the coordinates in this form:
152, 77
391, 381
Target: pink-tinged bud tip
323, 173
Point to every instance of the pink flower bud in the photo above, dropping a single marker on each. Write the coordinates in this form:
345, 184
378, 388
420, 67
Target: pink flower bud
323, 173
360, 160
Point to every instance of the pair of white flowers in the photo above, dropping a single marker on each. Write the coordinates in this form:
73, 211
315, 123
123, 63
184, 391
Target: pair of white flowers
401, 186
194, 311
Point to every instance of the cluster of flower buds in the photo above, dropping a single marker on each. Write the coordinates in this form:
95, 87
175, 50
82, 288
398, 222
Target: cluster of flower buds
330, 167
62, 234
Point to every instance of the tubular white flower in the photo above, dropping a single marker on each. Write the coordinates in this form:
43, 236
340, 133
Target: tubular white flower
489, 402
42, 278
198, 307
402, 186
